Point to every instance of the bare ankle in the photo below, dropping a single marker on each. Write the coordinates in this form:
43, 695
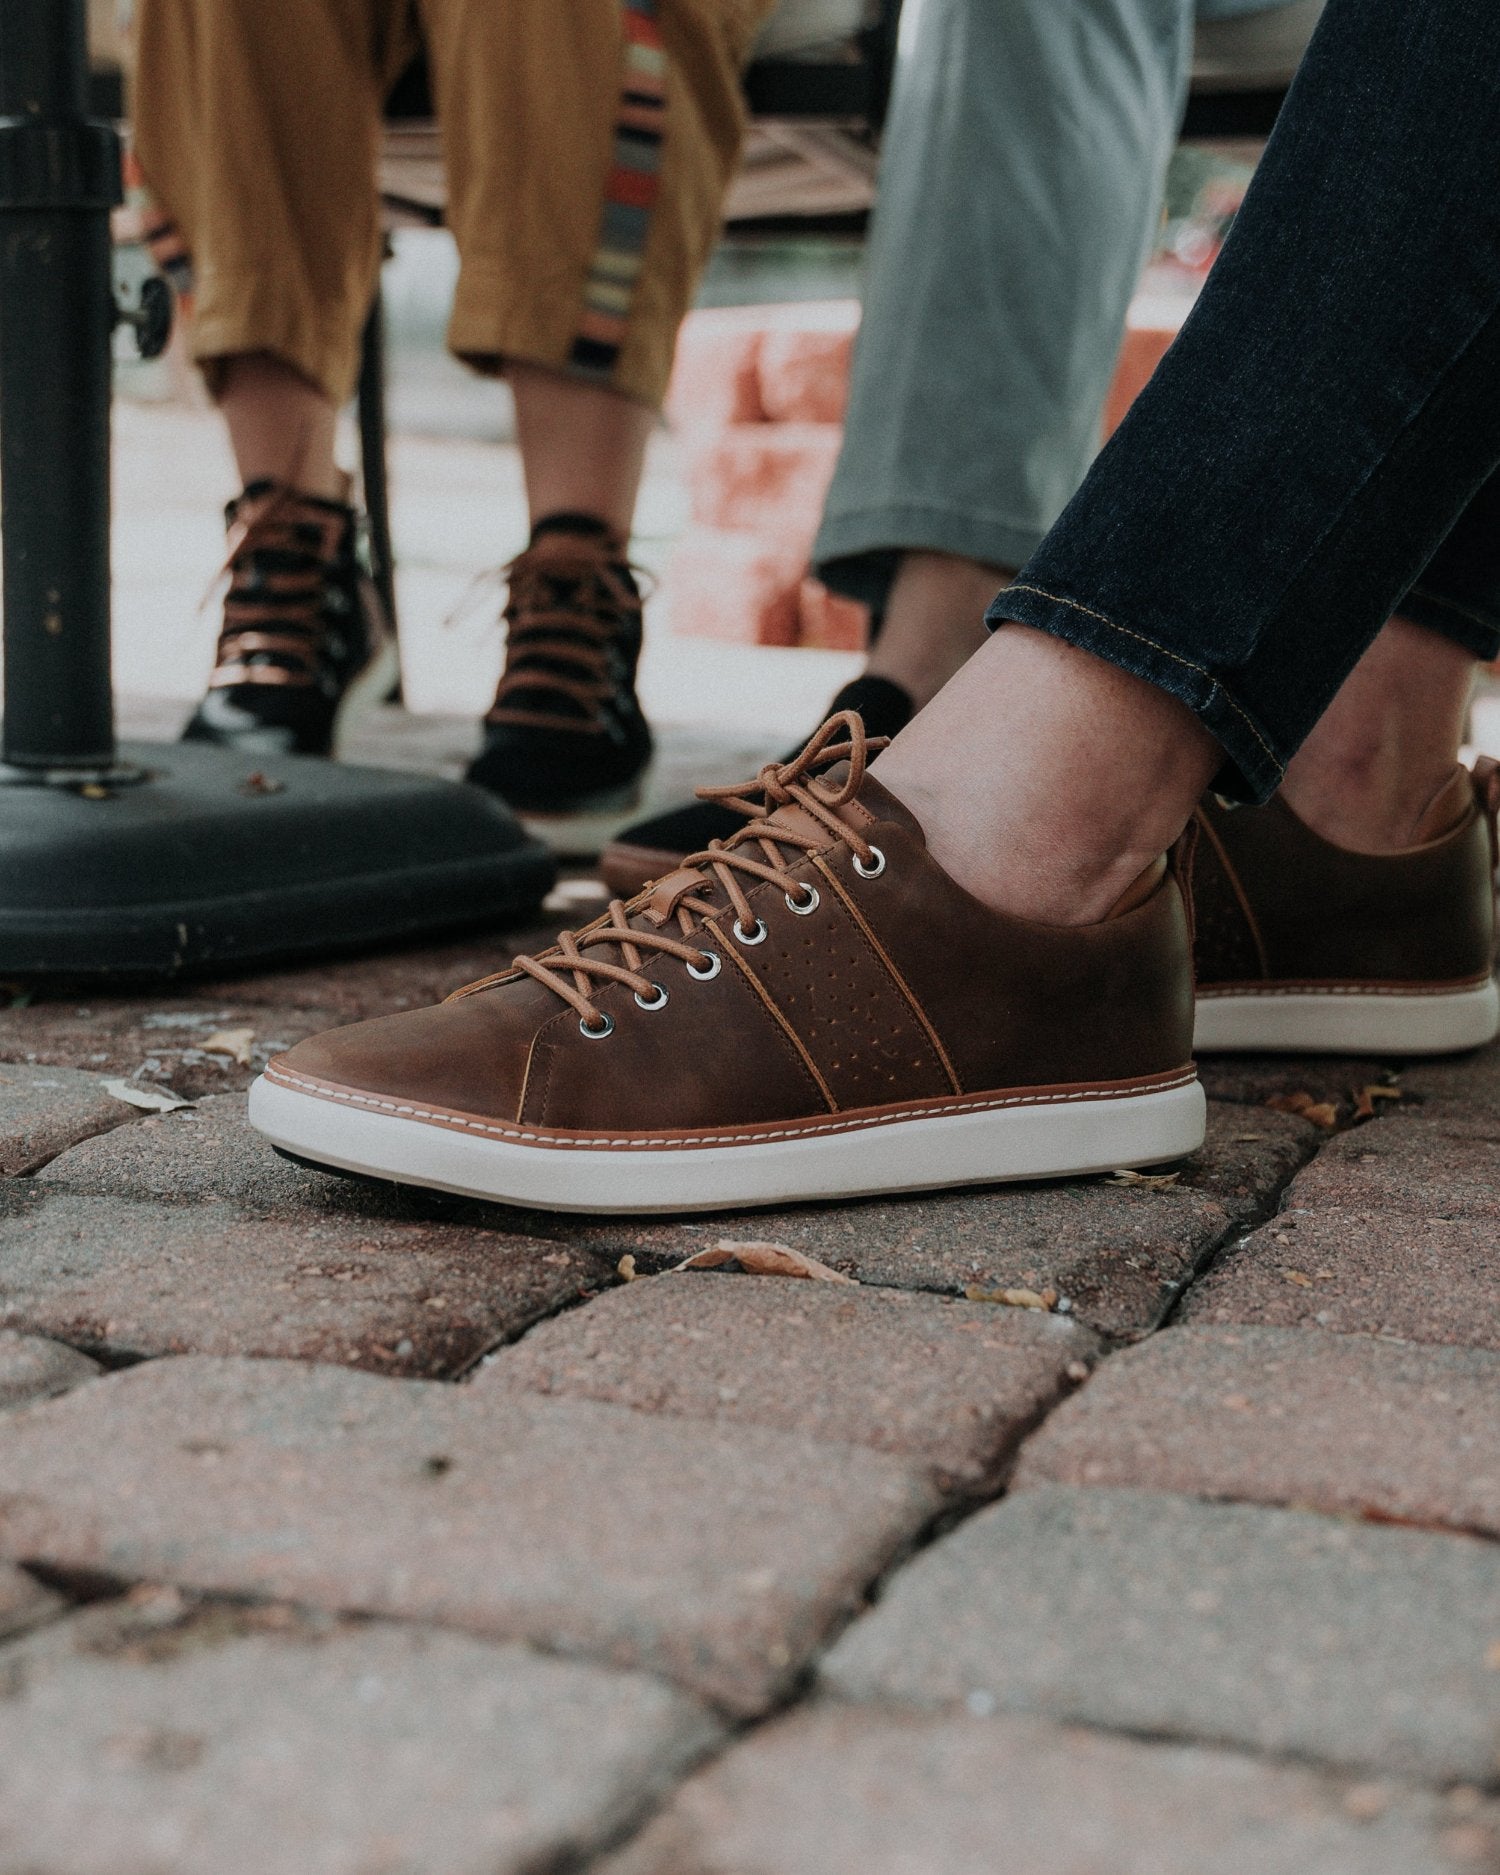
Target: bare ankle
934, 621
1373, 808
1047, 780
1372, 775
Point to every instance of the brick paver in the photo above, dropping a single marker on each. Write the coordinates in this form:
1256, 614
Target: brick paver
1117, 1257
1247, 1158
719, 1555
1361, 1272
1340, 1423
1468, 1081
1273, 1630
951, 1384
43, 1111
1251, 1080
155, 1040
698, 1481
847, 1791
159, 1738
32, 1368
1415, 1164
24, 1603
133, 1276
160, 1037
210, 1151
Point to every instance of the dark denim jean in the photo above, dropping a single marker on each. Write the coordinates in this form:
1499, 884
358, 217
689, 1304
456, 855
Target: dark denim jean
1320, 447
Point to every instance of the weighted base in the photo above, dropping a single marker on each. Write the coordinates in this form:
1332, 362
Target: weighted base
222, 860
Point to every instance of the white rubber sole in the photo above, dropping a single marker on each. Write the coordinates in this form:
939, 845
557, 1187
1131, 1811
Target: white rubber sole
1011, 1137
1347, 1022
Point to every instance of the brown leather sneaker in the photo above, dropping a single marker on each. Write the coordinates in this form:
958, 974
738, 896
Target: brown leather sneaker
1304, 946
811, 1010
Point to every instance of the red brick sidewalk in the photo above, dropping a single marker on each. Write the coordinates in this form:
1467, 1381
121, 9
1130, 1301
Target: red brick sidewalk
351, 1533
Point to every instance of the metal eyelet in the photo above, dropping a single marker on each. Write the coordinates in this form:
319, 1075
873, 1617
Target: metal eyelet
713, 963
875, 868
597, 1035
659, 1001
755, 935
806, 905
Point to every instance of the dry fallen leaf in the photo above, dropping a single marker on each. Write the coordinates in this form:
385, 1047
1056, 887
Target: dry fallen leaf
152, 1099
1321, 1112
236, 1043
1152, 1181
762, 1259
1365, 1097
1297, 1277
1014, 1298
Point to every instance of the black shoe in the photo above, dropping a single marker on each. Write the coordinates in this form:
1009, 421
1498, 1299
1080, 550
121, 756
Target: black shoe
565, 740
303, 634
653, 847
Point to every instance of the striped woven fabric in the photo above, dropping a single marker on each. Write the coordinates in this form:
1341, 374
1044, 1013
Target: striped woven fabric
630, 194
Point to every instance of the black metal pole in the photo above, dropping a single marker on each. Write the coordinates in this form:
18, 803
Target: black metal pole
59, 178
374, 456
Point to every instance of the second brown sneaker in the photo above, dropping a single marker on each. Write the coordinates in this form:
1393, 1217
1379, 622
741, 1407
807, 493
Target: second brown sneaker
1304, 946
813, 1009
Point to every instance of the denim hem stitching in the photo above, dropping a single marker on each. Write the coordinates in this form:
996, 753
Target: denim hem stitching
1141, 638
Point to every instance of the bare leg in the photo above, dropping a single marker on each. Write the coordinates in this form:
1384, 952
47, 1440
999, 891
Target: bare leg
583, 446
1385, 747
1078, 774
1048, 780
281, 426
934, 621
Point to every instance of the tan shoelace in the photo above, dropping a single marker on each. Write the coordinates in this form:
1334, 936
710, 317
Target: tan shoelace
561, 613
753, 854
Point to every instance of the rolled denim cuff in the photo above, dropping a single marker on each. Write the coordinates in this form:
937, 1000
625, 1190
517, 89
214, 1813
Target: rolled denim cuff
1254, 766
1473, 625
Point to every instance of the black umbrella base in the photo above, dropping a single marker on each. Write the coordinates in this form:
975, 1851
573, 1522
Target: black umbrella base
222, 861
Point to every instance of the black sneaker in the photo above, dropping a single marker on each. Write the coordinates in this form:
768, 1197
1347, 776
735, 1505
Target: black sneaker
304, 638
565, 742
656, 846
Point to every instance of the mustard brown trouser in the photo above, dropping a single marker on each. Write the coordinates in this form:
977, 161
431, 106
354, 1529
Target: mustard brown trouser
588, 147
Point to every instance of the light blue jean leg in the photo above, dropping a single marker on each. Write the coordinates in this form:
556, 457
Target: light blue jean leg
1020, 193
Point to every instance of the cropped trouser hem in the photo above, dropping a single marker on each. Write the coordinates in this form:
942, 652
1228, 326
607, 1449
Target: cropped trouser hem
1253, 765
587, 149
492, 327
858, 551
256, 312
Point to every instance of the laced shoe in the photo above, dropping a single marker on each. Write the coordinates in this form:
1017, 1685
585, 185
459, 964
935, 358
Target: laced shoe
655, 846
565, 742
1306, 947
304, 642
812, 1009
